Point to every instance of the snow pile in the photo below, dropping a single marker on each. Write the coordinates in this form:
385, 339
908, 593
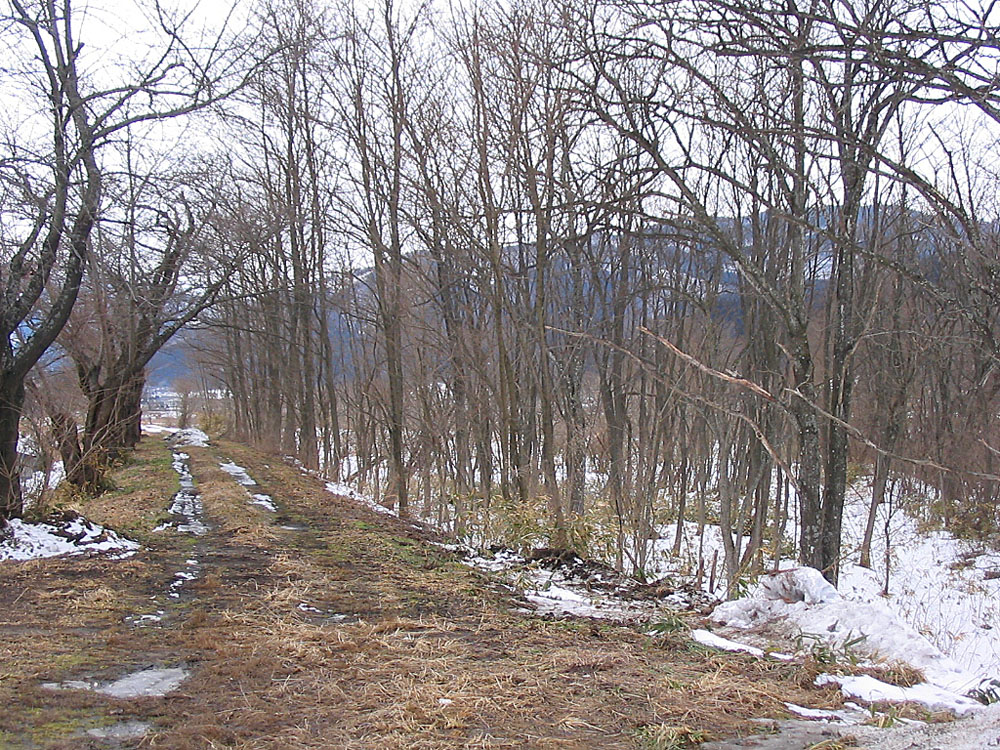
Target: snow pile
74, 536
190, 437
800, 599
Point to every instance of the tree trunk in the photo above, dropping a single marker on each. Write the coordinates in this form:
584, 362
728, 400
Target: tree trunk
11, 401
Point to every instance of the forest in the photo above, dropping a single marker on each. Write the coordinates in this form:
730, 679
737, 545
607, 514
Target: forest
545, 273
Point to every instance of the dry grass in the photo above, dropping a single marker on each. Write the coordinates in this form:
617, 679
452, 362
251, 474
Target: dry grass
898, 673
352, 634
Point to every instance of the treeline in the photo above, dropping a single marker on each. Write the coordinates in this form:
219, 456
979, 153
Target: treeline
533, 267
518, 243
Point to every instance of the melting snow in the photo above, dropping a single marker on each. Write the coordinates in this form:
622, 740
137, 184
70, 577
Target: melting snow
575, 588
187, 502
823, 714
124, 730
147, 682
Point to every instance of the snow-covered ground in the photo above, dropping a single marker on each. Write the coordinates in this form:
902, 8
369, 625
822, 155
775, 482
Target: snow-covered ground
799, 606
944, 589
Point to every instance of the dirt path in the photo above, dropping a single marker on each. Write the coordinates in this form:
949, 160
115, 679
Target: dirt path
321, 624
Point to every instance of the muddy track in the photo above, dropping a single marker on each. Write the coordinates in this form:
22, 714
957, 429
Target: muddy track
308, 621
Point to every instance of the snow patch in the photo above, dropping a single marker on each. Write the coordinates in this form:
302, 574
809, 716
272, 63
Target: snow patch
871, 690
724, 644
78, 536
336, 488
244, 479
712, 640
158, 429
263, 501
238, 473
190, 437
144, 683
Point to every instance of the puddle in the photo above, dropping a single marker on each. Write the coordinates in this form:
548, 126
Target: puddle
187, 501
125, 730
145, 683
785, 735
293, 527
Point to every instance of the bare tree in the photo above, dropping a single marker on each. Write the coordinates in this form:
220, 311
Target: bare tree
58, 185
